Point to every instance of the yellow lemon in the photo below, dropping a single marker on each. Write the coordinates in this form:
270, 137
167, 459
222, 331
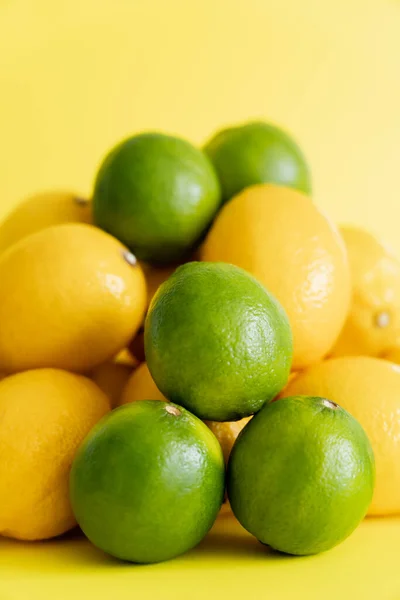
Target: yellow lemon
44, 416
41, 211
280, 237
155, 276
141, 386
136, 346
373, 324
226, 433
369, 389
393, 355
71, 297
125, 357
112, 377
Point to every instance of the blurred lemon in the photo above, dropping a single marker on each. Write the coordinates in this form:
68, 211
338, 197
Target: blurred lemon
278, 235
369, 389
44, 416
141, 386
125, 357
112, 377
41, 211
226, 433
373, 324
71, 297
393, 355
155, 276
136, 346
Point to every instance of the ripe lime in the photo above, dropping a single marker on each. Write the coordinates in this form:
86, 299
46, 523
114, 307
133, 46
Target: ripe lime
301, 475
148, 482
257, 152
217, 342
369, 389
157, 194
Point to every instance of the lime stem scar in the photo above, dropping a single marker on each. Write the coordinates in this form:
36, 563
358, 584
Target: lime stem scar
172, 410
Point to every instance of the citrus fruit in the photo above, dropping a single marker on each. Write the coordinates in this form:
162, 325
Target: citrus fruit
41, 211
393, 355
125, 357
148, 482
136, 346
157, 194
155, 276
369, 389
226, 433
301, 475
278, 235
141, 386
71, 297
44, 416
112, 377
373, 324
217, 341
257, 152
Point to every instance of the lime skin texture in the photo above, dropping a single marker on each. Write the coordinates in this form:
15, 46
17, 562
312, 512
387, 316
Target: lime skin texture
301, 475
148, 481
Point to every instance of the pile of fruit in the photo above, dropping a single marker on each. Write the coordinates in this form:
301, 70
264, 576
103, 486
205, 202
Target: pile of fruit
197, 335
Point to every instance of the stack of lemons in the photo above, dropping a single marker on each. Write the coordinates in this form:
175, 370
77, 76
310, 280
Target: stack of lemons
78, 278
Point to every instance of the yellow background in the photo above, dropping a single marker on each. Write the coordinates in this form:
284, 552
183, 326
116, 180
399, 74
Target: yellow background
78, 75
228, 565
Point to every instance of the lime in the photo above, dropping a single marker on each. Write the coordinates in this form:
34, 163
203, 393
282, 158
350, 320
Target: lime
157, 194
217, 342
301, 475
257, 152
147, 482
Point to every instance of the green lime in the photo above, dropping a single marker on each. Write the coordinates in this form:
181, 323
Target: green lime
147, 482
157, 194
217, 342
301, 475
257, 153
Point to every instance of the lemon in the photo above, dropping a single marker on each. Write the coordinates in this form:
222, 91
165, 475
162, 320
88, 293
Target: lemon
279, 236
373, 324
71, 297
226, 433
141, 386
112, 377
369, 389
44, 416
41, 211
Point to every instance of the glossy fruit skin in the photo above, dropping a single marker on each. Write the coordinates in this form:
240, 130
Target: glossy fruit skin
157, 194
279, 236
226, 433
111, 378
148, 482
69, 299
372, 327
254, 153
41, 211
369, 389
141, 386
44, 416
301, 475
217, 342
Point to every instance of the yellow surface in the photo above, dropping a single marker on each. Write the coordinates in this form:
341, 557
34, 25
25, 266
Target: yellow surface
229, 564
77, 76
